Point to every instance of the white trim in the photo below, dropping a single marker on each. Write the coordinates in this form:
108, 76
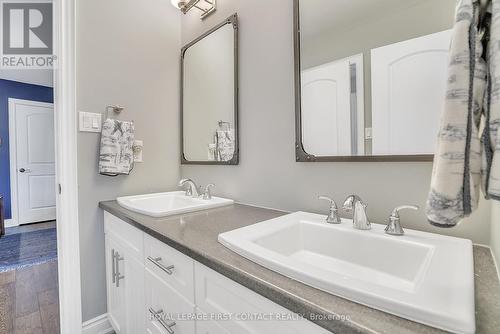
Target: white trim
68, 241
13, 164
9, 223
98, 325
14, 208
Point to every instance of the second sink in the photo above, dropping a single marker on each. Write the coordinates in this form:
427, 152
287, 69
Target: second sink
169, 203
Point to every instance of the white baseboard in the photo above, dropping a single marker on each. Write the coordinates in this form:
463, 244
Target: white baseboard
10, 223
98, 325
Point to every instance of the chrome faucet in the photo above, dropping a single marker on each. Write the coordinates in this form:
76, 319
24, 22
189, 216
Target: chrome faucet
207, 195
333, 216
394, 225
191, 189
353, 203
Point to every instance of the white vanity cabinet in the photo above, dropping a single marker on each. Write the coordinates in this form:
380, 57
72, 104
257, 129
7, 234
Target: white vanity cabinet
158, 290
124, 276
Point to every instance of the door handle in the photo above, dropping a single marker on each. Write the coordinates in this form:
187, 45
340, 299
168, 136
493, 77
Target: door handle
156, 261
113, 268
118, 275
25, 170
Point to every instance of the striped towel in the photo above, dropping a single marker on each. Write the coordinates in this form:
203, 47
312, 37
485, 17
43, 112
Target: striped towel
491, 138
456, 175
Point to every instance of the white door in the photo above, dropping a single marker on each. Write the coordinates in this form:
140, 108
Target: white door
33, 168
328, 107
408, 93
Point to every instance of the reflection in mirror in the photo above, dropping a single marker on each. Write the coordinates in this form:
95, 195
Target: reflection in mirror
209, 101
371, 77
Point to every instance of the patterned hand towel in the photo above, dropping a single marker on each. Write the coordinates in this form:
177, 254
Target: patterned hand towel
491, 138
116, 156
225, 145
456, 174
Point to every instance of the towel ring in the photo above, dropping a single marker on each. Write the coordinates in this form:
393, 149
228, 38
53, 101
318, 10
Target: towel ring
116, 109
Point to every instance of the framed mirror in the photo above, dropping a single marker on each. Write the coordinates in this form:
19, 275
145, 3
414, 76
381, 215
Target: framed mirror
209, 97
370, 78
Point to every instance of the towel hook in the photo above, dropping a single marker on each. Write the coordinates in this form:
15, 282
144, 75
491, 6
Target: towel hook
221, 124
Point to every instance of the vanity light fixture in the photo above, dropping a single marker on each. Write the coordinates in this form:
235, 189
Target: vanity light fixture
207, 7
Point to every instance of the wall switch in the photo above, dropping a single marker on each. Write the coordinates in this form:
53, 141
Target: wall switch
90, 122
368, 133
137, 148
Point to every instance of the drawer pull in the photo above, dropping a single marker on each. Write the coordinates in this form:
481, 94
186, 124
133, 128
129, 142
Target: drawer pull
156, 261
157, 316
113, 266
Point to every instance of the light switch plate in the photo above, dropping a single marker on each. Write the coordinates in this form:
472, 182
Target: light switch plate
90, 122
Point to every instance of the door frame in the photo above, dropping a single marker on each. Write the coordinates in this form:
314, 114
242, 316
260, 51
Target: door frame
68, 230
14, 207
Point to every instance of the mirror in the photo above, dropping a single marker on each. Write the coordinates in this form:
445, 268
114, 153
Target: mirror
370, 78
209, 97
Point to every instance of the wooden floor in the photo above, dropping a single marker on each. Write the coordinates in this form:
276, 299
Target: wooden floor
29, 302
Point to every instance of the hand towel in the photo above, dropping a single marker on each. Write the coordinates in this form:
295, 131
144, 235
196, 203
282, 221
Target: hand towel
491, 138
225, 145
116, 154
456, 174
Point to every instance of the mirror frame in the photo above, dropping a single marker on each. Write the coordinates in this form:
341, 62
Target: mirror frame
300, 153
232, 20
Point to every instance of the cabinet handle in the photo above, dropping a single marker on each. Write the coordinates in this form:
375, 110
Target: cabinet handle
156, 261
118, 276
157, 316
113, 267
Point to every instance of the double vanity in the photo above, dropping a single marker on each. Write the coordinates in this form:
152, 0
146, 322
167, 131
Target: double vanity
194, 263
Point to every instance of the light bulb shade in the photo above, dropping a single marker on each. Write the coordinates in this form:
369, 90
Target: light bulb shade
178, 3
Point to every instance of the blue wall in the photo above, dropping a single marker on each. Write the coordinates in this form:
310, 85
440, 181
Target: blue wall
17, 90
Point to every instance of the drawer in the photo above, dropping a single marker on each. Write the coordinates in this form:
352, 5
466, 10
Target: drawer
218, 295
171, 266
207, 326
169, 307
127, 235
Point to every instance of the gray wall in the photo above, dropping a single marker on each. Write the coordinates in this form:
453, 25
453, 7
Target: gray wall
268, 174
127, 54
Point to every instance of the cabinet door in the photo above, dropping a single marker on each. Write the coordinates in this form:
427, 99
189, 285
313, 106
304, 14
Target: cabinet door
133, 281
164, 306
116, 294
206, 326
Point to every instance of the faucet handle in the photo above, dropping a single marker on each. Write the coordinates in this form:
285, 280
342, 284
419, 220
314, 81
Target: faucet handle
333, 216
206, 194
394, 226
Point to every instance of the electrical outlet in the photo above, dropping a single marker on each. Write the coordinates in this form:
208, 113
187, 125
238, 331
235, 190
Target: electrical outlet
137, 148
368, 133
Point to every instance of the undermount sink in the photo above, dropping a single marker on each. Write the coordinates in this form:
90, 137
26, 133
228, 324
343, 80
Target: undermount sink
169, 203
420, 276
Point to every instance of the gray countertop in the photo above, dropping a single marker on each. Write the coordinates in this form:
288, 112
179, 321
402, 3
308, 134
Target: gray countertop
196, 234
